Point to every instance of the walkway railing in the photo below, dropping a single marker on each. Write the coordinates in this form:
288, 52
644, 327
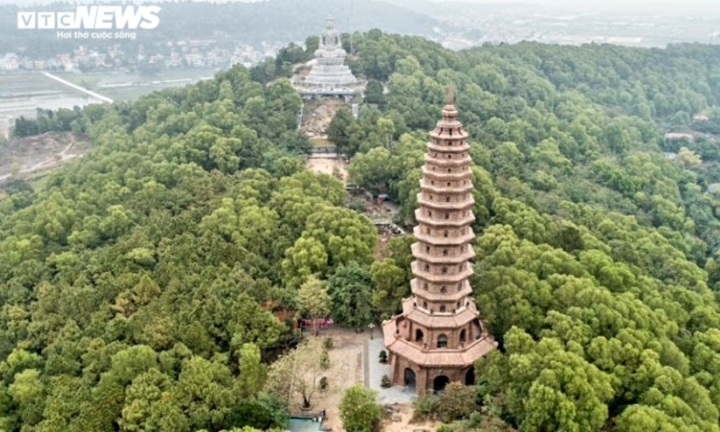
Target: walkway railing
316, 150
308, 415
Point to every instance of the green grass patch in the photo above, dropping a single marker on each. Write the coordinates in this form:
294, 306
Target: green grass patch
39, 183
93, 79
38, 179
141, 85
30, 83
134, 93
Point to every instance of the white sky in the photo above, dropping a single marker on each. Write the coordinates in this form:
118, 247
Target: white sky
651, 7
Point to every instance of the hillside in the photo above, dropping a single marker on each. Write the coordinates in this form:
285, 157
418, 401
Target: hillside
141, 287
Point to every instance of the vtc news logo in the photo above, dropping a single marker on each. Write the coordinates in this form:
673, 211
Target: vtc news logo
92, 18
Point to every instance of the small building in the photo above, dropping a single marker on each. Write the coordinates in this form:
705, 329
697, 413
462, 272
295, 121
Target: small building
678, 136
701, 118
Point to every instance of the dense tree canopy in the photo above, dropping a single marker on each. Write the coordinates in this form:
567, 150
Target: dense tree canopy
140, 287
596, 265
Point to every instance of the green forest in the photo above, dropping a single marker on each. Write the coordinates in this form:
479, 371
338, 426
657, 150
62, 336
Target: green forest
143, 288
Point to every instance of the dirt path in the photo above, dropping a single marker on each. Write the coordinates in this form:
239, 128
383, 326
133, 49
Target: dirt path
328, 165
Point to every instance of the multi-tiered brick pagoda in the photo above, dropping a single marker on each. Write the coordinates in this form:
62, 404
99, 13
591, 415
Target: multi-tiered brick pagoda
439, 335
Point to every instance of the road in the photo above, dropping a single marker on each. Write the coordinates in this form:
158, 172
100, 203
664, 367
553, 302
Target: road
47, 163
78, 88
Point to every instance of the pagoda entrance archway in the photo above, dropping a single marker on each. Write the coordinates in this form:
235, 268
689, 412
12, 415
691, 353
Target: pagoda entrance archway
410, 378
470, 377
440, 382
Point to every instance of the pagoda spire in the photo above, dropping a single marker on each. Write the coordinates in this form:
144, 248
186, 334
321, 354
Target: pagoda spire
450, 113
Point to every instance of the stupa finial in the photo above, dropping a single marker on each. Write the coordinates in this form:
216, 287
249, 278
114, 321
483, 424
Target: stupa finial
451, 96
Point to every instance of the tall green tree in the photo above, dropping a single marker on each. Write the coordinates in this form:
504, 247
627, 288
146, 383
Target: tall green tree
359, 409
313, 300
252, 371
350, 289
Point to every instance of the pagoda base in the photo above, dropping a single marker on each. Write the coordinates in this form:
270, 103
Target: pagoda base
415, 366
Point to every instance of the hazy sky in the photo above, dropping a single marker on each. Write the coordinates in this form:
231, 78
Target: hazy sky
651, 7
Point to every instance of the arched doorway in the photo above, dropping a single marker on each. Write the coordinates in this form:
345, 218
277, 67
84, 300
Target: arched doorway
442, 341
410, 378
470, 377
440, 382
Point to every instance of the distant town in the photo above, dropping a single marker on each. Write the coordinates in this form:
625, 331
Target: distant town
467, 25
183, 51
199, 54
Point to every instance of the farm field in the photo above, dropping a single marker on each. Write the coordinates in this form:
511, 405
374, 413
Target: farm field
23, 94
120, 85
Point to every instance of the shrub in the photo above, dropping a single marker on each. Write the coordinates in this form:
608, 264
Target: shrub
323, 383
383, 357
457, 402
359, 409
425, 406
325, 360
359, 205
385, 382
264, 412
328, 343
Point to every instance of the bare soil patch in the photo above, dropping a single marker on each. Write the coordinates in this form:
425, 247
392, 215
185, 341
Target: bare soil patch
39, 153
31, 150
317, 115
400, 419
330, 166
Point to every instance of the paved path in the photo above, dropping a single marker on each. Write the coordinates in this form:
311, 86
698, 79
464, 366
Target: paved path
376, 370
77, 87
323, 156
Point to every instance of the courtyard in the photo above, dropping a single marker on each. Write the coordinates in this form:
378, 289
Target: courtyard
354, 358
